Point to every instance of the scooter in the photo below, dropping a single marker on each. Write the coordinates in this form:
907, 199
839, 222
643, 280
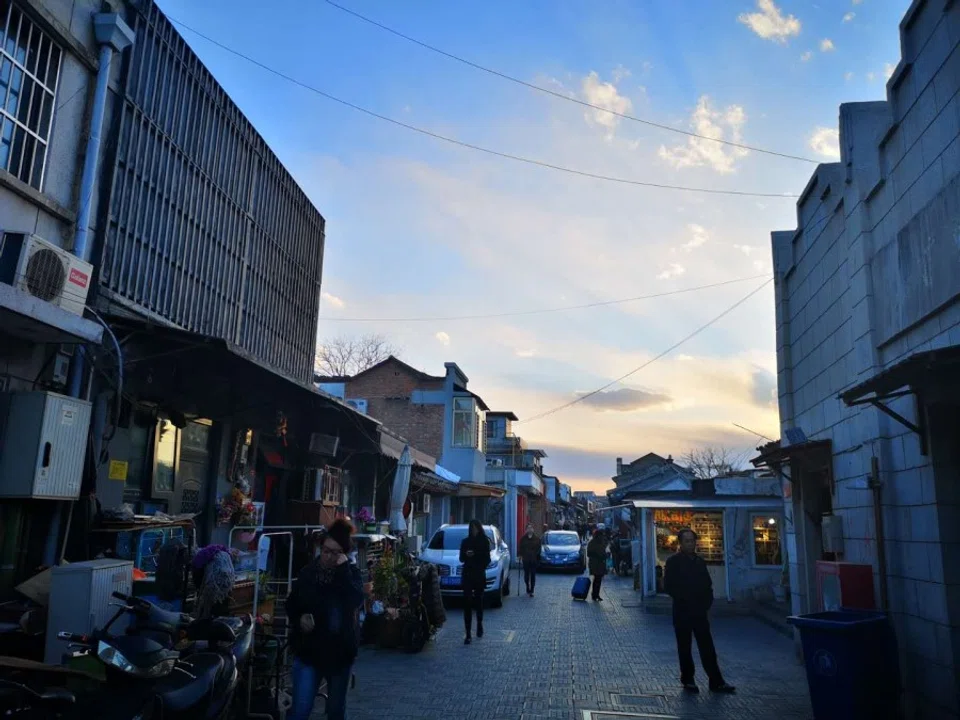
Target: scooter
199, 687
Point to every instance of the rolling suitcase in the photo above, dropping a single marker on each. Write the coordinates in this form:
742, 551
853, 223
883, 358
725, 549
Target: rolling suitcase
581, 588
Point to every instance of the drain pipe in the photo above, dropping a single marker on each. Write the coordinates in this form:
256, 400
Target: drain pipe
113, 35
877, 488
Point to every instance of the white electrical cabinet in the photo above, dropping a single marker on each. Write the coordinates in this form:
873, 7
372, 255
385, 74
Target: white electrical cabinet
43, 442
80, 597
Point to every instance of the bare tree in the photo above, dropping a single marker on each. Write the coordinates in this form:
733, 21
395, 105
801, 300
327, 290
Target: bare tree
345, 356
712, 461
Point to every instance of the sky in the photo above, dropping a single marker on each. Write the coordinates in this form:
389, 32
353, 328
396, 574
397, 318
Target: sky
421, 232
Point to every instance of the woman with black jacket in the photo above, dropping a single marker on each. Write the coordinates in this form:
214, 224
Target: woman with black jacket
475, 556
322, 608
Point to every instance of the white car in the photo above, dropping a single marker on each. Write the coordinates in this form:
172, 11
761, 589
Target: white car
443, 550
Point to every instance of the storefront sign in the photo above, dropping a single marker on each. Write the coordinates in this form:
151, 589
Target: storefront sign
118, 470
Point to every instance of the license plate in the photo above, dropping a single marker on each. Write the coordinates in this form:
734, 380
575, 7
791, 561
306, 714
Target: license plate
450, 581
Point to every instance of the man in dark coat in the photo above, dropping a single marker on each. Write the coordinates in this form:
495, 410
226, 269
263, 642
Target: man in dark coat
687, 581
530, 546
597, 557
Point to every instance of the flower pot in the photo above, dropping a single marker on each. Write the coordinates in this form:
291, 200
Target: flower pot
247, 537
370, 527
391, 633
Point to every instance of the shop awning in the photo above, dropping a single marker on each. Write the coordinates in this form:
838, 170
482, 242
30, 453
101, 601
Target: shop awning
712, 503
775, 454
465, 489
29, 318
391, 445
433, 483
920, 370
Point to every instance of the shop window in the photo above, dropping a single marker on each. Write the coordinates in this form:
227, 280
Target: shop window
165, 460
465, 423
766, 540
707, 525
29, 71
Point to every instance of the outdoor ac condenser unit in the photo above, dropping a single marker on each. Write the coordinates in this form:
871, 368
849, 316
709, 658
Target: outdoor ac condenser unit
41, 269
43, 443
357, 404
326, 445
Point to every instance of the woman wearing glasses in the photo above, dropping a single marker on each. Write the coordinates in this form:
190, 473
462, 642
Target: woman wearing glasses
322, 608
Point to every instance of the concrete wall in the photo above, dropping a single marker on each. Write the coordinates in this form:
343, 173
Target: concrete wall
745, 576
872, 276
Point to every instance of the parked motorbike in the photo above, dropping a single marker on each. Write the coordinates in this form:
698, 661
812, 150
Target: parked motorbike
200, 686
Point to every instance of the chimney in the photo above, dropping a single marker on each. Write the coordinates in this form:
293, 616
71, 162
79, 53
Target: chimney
670, 458
619, 466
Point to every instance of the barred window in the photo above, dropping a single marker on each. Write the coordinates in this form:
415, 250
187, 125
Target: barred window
29, 70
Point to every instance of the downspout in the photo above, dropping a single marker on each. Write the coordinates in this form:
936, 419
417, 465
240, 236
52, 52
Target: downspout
113, 35
877, 487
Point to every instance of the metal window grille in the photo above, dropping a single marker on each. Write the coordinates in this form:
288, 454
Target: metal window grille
206, 228
29, 73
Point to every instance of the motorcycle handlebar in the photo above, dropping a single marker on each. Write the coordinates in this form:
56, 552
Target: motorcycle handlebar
120, 596
73, 637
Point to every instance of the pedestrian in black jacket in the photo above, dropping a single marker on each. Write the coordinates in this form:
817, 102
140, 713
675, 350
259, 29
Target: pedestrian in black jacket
687, 580
529, 551
475, 556
322, 607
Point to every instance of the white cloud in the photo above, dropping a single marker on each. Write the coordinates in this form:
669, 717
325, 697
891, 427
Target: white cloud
671, 271
848, 76
770, 23
442, 338
826, 142
332, 300
685, 358
806, 56
888, 70
698, 237
849, 17
826, 45
605, 95
871, 76
521, 353
745, 249
710, 123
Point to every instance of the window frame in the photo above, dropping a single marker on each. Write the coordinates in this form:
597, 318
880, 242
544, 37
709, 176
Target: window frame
471, 433
753, 539
42, 95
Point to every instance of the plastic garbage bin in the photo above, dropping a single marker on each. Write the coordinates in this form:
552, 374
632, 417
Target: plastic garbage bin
853, 668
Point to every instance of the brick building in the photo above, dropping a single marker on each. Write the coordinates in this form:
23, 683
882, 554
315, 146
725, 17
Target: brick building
868, 338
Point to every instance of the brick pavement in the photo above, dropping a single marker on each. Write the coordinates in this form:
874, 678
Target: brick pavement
550, 658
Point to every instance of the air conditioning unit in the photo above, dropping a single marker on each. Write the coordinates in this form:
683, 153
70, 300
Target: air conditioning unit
326, 445
357, 404
423, 503
43, 270
495, 462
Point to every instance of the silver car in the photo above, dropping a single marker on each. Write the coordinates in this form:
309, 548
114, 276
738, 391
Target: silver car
443, 550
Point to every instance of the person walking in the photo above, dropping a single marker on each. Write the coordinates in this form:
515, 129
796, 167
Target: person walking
687, 580
530, 546
322, 607
597, 556
475, 556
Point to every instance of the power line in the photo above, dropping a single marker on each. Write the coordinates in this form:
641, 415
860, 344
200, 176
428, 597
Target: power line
471, 146
561, 96
651, 360
601, 303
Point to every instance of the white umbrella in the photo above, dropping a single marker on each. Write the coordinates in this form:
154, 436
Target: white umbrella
401, 488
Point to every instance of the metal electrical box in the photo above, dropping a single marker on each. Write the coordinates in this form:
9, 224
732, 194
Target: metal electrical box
80, 597
43, 442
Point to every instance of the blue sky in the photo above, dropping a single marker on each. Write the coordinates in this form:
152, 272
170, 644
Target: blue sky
420, 228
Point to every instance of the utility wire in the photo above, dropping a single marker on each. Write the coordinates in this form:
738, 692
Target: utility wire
652, 360
601, 303
470, 146
561, 96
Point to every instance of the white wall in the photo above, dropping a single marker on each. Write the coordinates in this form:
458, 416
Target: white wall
859, 287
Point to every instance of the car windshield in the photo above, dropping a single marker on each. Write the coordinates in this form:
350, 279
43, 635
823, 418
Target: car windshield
450, 538
561, 539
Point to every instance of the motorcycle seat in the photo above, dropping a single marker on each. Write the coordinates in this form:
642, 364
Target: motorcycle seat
179, 692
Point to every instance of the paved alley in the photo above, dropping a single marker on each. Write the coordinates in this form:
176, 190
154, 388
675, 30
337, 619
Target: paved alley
552, 658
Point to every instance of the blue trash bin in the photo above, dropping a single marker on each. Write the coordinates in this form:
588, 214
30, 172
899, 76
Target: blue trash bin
853, 668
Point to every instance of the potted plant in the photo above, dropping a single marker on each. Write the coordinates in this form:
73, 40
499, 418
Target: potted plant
366, 520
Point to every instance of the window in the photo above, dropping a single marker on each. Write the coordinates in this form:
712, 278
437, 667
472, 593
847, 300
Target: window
451, 537
766, 540
29, 70
165, 459
332, 485
466, 427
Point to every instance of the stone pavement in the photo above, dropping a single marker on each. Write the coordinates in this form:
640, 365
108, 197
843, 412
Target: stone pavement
551, 658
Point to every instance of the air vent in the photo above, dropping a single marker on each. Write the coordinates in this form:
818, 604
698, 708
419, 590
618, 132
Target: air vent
325, 445
45, 275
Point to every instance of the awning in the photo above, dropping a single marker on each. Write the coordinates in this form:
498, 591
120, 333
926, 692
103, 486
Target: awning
433, 483
465, 489
919, 371
775, 454
391, 445
713, 503
29, 318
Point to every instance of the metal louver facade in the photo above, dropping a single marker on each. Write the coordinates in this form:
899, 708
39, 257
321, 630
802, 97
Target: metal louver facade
203, 227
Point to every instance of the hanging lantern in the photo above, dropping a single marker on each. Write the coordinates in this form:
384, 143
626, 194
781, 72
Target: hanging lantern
407, 507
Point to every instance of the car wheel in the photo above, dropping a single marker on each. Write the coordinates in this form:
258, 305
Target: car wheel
497, 599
